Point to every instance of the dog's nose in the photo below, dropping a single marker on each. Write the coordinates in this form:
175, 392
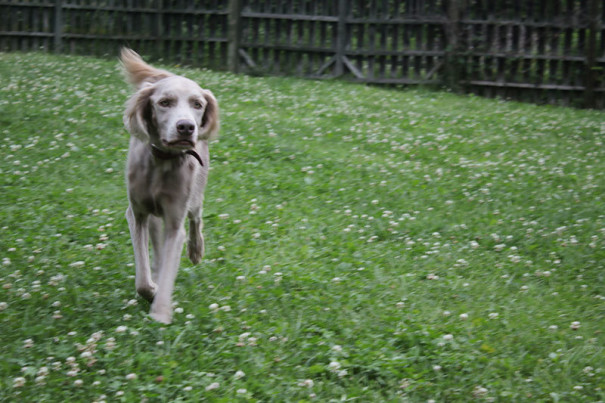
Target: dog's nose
185, 127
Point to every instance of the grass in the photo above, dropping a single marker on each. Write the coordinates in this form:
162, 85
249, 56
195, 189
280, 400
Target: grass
362, 244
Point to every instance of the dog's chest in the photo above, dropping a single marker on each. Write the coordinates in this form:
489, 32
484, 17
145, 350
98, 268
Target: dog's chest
160, 187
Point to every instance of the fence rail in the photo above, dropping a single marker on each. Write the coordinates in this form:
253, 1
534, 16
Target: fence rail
546, 51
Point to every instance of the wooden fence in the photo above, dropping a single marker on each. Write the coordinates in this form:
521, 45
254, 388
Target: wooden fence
546, 51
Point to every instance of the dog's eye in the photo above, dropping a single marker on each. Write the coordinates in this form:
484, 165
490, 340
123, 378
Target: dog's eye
164, 103
198, 105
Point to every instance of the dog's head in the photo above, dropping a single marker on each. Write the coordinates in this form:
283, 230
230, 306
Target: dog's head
169, 111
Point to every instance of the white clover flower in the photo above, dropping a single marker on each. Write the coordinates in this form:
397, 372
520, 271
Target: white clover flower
241, 391
334, 366
448, 337
121, 329
239, 374
463, 316
213, 307
308, 383
493, 315
19, 382
3, 306
110, 344
575, 325
212, 386
131, 377
479, 391
78, 382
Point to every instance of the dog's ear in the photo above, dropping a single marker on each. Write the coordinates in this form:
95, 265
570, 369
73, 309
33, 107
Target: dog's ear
210, 121
138, 117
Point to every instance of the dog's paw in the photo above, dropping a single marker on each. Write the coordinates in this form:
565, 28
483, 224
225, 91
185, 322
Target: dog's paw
148, 292
161, 314
195, 251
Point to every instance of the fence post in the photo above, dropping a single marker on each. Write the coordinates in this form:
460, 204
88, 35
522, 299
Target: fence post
591, 51
452, 68
341, 38
234, 35
58, 34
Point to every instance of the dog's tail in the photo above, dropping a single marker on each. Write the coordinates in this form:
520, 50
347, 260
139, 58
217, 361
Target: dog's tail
137, 71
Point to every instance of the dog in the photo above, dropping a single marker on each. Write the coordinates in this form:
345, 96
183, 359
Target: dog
170, 119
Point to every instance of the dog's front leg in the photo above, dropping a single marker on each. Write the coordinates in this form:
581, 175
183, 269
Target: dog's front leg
139, 234
174, 237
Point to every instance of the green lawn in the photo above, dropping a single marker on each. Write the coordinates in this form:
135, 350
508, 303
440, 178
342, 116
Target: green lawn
361, 244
